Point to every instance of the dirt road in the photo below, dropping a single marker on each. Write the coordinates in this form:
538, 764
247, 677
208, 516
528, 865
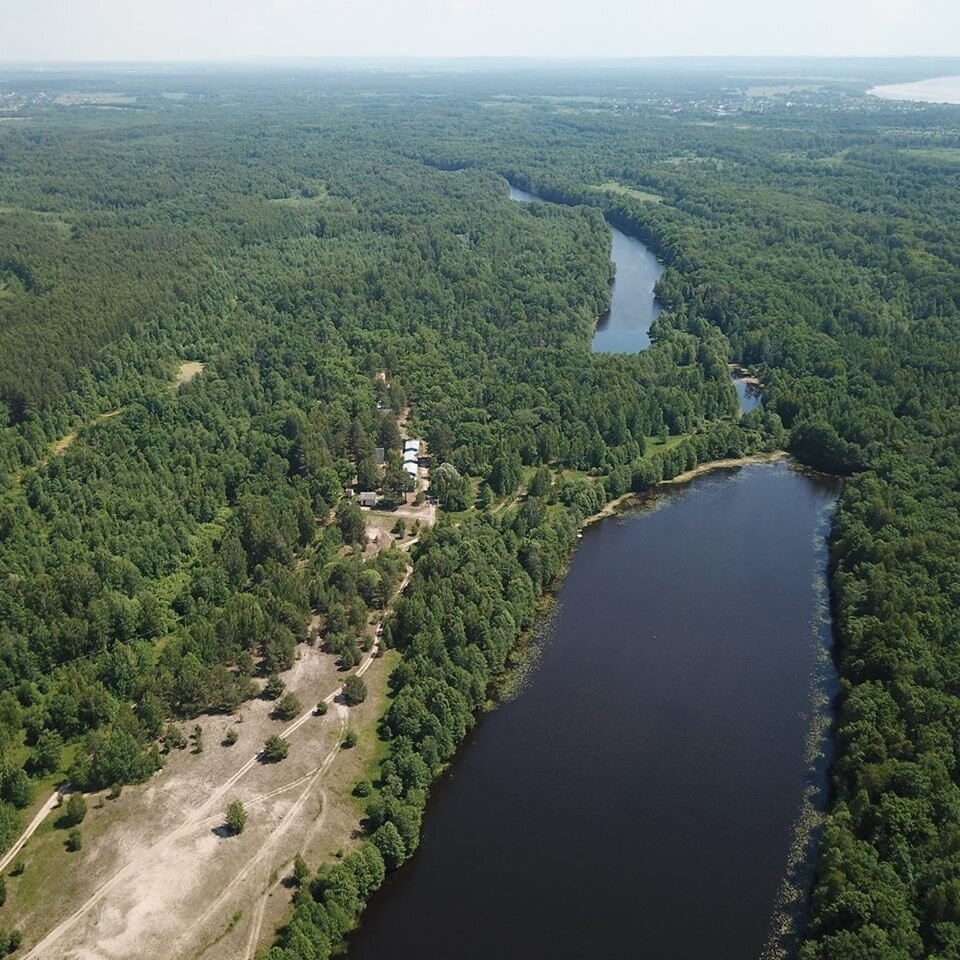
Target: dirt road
42, 814
168, 891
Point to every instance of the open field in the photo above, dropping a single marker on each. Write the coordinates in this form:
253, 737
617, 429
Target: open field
187, 371
158, 876
612, 186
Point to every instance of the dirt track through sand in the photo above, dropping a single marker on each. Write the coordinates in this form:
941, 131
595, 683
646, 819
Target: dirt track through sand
198, 819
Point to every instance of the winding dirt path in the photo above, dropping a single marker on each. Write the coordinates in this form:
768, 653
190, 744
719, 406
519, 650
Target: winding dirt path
49, 806
199, 818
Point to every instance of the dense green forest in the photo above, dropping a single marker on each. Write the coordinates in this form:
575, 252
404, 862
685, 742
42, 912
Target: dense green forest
299, 235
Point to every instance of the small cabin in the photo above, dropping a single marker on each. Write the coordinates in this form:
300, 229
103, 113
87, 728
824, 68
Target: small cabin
368, 498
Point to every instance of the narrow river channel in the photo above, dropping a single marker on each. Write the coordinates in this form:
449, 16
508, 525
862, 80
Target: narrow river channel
639, 796
624, 328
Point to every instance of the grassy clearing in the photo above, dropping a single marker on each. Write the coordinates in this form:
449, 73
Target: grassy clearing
187, 372
949, 155
504, 105
54, 220
320, 195
694, 158
656, 445
48, 865
612, 186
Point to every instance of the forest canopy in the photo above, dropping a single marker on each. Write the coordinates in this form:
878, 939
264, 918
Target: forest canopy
160, 546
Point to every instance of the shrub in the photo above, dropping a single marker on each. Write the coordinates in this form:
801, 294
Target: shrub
288, 706
230, 738
321, 708
275, 749
301, 872
354, 690
76, 809
235, 817
74, 840
349, 740
173, 738
274, 688
363, 789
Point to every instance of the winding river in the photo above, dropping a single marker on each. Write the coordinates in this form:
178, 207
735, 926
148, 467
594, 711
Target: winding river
624, 328
649, 790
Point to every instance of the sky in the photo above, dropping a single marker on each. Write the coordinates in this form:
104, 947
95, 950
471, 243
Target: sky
163, 30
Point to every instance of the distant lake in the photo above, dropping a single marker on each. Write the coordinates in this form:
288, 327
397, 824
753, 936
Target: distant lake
936, 90
625, 327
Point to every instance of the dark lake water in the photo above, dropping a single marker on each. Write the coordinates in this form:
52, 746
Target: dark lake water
624, 328
638, 797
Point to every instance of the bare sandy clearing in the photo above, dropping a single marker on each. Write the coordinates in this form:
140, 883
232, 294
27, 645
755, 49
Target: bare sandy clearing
189, 371
157, 876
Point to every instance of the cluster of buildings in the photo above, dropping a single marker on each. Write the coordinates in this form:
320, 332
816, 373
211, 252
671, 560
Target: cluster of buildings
412, 452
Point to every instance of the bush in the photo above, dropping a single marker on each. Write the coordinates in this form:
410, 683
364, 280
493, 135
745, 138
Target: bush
321, 708
363, 789
173, 738
274, 688
230, 738
47, 754
301, 872
76, 809
275, 749
349, 740
288, 706
74, 840
354, 690
235, 817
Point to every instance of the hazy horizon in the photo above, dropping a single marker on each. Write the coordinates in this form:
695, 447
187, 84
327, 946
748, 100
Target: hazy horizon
241, 31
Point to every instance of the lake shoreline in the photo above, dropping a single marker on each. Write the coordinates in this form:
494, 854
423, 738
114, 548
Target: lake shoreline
789, 894
726, 463
524, 652
940, 91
